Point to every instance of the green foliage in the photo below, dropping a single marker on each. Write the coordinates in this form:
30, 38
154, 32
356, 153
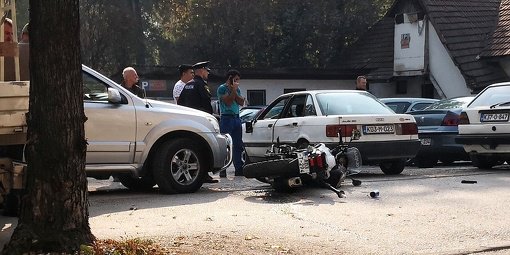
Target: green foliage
239, 33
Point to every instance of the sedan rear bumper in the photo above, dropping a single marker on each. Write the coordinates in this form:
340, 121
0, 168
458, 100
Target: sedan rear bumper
442, 145
485, 144
373, 152
492, 140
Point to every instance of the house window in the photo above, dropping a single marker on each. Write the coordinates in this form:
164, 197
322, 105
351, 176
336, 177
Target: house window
256, 97
401, 88
285, 91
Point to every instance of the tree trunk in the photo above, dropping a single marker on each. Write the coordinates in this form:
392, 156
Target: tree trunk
54, 213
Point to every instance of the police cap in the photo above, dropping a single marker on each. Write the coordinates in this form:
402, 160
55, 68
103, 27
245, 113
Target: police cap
203, 64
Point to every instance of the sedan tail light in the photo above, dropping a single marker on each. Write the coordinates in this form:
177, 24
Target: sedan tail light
463, 119
346, 130
450, 119
407, 129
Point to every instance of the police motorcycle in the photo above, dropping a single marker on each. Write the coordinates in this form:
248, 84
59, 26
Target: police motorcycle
286, 167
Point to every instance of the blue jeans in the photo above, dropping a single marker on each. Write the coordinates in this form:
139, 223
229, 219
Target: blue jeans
232, 126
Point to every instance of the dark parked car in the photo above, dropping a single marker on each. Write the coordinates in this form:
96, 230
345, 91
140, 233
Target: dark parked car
437, 129
407, 104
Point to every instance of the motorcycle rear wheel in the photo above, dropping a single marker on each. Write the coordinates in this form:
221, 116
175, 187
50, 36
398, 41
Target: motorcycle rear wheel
275, 167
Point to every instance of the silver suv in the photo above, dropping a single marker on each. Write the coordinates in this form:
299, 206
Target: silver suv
146, 142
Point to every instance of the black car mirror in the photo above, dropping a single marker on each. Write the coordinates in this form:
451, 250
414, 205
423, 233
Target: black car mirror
249, 127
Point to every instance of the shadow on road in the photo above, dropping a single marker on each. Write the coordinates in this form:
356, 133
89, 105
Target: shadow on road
122, 200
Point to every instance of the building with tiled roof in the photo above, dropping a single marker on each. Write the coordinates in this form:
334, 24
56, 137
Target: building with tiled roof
435, 48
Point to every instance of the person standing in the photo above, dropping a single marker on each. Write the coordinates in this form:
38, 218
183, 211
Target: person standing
361, 83
196, 94
130, 82
231, 100
186, 74
24, 34
9, 64
8, 35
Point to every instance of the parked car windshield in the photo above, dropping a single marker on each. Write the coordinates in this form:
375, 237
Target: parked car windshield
452, 103
399, 107
492, 96
248, 114
341, 103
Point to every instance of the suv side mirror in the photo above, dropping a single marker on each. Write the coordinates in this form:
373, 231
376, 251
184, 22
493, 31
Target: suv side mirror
249, 127
114, 96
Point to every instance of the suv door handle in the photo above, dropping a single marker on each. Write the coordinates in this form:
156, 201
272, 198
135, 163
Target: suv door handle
270, 125
294, 124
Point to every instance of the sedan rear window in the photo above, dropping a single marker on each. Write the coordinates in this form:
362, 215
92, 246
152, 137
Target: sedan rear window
499, 95
399, 107
447, 104
350, 104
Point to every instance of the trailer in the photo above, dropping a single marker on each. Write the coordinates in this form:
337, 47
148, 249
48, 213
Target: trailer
13, 131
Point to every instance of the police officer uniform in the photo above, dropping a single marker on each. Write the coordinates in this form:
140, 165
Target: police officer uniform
196, 94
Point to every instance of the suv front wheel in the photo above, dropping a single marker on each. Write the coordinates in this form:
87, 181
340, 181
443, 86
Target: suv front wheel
180, 166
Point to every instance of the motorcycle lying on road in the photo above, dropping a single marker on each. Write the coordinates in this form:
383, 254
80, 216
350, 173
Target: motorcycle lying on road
287, 167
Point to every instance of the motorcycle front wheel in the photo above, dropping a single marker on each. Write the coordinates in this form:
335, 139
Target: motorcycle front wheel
274, 167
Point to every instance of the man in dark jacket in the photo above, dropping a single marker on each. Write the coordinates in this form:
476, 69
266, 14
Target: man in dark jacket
361, 83
130, 82
196, 94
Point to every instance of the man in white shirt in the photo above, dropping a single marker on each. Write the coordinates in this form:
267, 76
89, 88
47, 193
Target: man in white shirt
186, 73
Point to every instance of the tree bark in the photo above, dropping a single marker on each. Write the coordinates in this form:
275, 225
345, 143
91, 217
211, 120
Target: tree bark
54, 213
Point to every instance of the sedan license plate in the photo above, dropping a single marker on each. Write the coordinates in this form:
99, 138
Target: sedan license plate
425, 141
379, 129
493, 117
304, 165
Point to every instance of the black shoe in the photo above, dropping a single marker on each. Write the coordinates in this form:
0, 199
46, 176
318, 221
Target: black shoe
223, 174
209, 179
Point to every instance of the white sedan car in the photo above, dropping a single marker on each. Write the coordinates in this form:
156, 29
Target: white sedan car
311, 117
484, 127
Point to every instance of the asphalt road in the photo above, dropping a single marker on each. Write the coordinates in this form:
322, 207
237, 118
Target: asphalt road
421, 211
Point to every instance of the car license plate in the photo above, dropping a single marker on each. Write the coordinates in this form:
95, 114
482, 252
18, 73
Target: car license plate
379, 129
425, 141
304, 165
493, 117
